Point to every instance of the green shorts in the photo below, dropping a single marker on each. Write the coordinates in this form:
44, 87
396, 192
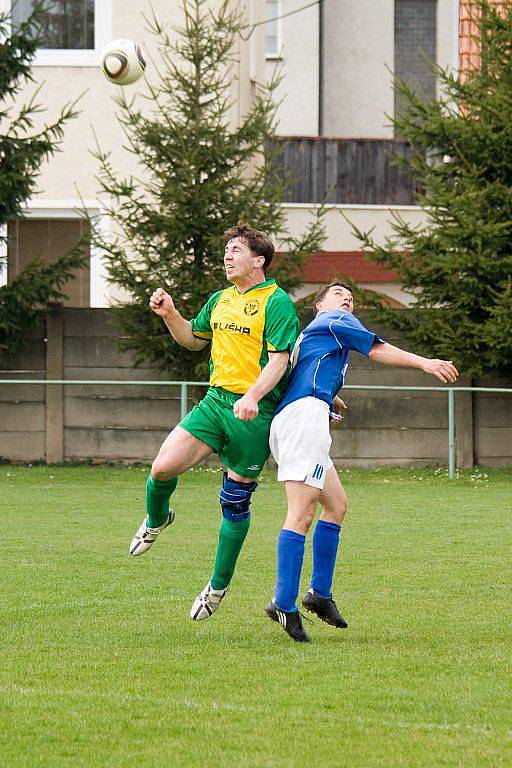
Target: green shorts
241, 445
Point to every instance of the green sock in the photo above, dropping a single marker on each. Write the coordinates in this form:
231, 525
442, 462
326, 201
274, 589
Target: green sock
231, 539
158, 493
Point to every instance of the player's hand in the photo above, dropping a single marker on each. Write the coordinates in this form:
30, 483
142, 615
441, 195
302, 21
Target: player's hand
161, 303
337, 414
444, 370
246, 409
339, 405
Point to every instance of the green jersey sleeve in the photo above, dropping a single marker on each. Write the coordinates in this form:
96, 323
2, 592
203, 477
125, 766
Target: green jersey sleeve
281, 322
201, 322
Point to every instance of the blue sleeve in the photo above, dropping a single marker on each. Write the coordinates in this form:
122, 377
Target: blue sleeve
352, 334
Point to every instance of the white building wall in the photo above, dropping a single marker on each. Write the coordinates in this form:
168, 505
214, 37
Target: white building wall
298, 64
71, 173
67, 180
358, 61
339, 230
359, 44
448, 34
339, 222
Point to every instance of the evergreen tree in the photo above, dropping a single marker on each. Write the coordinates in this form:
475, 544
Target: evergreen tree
198, 177
458, 265
22, 152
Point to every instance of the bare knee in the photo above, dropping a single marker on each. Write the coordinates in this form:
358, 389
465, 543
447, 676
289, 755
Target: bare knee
160, 469
300, 519
335, 510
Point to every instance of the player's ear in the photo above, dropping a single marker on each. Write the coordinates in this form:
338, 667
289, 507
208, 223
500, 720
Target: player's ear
260, 262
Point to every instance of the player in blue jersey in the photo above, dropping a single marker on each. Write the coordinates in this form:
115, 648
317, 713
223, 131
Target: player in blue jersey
300, 443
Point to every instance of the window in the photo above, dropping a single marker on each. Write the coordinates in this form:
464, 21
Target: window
415, 46
48, 240
69, 24
272, 28
74, 33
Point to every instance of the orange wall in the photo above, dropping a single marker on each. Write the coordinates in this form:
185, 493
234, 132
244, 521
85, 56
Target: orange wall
469, 46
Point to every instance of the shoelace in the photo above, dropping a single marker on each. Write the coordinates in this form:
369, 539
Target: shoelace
306, 617
210, 597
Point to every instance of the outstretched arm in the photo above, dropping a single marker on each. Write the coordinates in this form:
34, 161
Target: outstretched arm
179, 328
444, 370
246, 409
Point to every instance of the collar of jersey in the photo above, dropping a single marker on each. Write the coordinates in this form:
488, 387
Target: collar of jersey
265, 284
343, 311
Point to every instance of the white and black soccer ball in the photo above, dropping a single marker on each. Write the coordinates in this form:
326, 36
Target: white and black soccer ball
122, 62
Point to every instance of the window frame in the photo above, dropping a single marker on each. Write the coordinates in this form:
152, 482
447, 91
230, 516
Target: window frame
279, 37
69, 209
73, 57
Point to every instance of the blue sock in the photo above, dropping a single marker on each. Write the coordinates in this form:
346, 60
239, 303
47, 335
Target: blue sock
325, 549
290, 554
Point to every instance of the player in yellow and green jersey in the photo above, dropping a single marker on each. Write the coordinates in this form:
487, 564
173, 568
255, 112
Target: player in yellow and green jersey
252, 327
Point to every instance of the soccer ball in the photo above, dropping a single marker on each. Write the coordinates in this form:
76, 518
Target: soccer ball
122, 62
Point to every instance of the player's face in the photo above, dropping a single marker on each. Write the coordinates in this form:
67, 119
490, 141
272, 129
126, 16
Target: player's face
240, 262
337, 297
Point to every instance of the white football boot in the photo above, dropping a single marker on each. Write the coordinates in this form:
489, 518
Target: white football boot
207, 602
146, 536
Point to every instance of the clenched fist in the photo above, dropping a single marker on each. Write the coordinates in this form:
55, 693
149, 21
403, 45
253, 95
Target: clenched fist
161, 303
246, 409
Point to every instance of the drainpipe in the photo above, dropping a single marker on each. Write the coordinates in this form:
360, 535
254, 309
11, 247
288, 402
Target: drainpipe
321, 31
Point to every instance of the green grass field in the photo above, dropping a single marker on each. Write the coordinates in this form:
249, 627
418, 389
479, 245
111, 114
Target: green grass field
101, 665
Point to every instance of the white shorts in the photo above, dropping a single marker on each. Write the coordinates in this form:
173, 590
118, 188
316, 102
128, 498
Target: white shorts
300, 441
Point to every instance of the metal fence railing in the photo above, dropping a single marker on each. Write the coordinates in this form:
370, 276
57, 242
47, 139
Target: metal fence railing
184, 386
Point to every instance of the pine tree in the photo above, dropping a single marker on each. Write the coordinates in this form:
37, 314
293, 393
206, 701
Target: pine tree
198, 177
22, 152
458, 265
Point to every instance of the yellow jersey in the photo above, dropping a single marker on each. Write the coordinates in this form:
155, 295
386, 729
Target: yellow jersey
244, 328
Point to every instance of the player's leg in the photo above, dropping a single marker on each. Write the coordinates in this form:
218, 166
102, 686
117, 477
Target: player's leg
244, 453
179, 451
300, 442
302, 500
327, 532
195, 438
325, 548
235, 499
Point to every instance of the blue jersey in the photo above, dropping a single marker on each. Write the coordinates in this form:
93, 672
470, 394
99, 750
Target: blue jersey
320, 356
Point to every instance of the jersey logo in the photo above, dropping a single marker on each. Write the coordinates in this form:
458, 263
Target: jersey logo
252, 307
220, 326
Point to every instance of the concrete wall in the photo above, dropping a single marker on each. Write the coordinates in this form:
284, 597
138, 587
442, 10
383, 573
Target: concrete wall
128, 423
23, 408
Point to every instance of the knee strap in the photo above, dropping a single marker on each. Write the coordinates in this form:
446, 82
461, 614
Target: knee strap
235, 499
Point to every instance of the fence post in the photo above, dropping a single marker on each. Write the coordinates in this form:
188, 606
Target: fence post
451, 432
464, 432
55, 392
184, 399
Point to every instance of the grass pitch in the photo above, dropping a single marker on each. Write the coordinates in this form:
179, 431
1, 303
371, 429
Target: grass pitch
101, 665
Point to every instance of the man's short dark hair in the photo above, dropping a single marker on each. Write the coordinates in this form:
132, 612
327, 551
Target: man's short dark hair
322, 293
257, 241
